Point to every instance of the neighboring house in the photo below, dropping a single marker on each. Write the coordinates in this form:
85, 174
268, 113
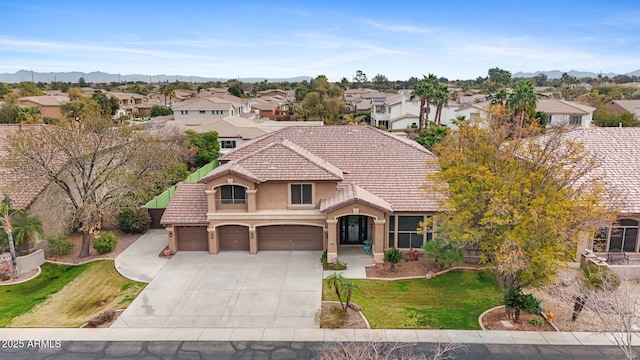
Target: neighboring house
131, 104
618, 151
561, 112
399, 112
309, 188
197, 111
35, 194
233, 131
621, 106
50, 106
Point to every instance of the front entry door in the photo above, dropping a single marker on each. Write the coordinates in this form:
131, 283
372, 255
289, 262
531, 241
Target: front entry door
353, 230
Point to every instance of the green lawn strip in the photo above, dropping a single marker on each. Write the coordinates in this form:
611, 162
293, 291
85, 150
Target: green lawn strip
18, 299
451, 301
96, 286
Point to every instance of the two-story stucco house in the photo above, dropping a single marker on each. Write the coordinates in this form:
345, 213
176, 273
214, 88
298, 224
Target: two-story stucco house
199, 110
309, 188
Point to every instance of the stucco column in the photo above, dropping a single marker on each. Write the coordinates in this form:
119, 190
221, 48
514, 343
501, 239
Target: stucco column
253, 241
173, 244
332, 242
378, 240
251, 200
211, 200
214, 243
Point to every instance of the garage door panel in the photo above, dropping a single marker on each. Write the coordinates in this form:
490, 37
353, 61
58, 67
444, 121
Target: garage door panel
192, 238
233, 238
290, 237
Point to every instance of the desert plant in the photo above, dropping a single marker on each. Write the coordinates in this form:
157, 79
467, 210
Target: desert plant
105, 243
443, 253
134, 221
332, 319
393, 256
536, 321
518, 301
59, 246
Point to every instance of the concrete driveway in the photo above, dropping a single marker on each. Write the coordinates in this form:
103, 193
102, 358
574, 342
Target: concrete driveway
275, 289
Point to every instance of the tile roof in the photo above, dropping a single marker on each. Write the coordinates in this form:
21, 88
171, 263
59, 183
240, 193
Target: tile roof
279, 161
208, 103
54, 100
188, 205
390, 167
351, 193
555, 106
618, 150
22, 189
629, 105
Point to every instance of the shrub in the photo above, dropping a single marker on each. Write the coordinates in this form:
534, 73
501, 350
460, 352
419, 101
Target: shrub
105, 243
393, 256
442, 253
102, 318
60, 246
134, 221
332, 319
600, 277
519, 301
337, 265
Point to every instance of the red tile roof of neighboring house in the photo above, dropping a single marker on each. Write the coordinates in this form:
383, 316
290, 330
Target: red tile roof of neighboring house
352, 193
188, 205
388, 166
53, 100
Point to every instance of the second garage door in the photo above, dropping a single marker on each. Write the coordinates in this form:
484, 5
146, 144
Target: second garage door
290, 237
192, 238
233, 238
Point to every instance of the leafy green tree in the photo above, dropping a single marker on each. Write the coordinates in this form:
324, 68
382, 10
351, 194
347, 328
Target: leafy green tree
360, 78
157, 110
604, 118
81, 108
432, 135
498, 78
235, 89
205, 146
29, 89
301, 91
138, 88
522, 201
108, 104
5, 89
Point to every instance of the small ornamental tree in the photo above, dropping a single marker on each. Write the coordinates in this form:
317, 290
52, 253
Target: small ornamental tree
393, 256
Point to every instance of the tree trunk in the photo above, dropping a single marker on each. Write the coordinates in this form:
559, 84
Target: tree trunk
421, 117
86, 242
12, 250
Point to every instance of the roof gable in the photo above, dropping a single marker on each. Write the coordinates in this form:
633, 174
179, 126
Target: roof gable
187, 206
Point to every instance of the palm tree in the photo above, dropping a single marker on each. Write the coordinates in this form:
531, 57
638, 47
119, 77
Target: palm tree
5, 222
522, 102
441, 99
25, 226
168, 90
425, 91
500, 97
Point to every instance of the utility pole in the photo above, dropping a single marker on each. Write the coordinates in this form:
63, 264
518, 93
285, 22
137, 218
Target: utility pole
32, 77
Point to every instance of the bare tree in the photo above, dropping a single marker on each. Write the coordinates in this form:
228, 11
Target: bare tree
378, 350
98, 166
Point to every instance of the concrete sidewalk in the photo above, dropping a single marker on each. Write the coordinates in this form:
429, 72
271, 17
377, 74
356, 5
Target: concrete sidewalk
344, 335
140, 261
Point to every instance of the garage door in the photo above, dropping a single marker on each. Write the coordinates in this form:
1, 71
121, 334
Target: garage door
290, 237
192, 238
233, 238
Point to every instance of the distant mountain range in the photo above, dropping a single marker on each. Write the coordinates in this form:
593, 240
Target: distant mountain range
557, 74
102, 77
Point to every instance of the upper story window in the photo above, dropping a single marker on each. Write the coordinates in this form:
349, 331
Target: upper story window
301, 194
575, 120
233, 194
227, 144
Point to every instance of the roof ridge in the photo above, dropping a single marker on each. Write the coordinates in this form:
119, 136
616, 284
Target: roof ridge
334, 170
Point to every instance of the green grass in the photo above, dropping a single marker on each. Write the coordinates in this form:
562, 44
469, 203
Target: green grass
18, 299
451, 301
66, 296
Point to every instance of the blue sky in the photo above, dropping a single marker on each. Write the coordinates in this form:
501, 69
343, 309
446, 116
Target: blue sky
399, 39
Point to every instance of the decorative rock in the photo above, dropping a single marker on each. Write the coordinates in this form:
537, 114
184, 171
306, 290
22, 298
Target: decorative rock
429, 275
507, 324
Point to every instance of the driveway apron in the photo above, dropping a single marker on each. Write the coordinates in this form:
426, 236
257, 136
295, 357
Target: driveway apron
275, 289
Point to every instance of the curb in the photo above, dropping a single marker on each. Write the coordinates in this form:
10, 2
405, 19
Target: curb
24, 280
428, 276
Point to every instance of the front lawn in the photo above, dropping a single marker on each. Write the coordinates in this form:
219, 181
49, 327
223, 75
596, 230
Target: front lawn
451, 301
65, 295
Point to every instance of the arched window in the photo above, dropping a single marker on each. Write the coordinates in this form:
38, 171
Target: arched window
624, 236
232, 194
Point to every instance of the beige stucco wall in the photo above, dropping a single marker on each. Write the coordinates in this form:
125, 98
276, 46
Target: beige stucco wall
50, 208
